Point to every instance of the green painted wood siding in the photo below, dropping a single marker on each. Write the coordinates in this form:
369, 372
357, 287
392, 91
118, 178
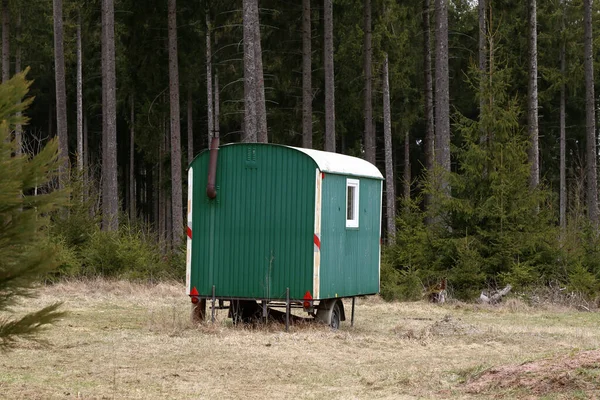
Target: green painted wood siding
350, 256
256, 238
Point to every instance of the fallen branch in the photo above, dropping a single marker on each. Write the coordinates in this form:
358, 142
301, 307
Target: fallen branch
496, 297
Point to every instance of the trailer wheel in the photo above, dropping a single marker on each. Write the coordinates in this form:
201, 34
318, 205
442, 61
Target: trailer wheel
331, 312
336, 316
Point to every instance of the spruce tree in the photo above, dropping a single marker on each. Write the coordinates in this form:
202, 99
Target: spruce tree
23, 219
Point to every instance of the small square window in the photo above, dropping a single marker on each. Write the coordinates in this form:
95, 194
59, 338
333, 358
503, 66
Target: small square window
352, 197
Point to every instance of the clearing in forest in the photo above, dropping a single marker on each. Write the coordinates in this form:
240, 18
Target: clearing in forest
132, 341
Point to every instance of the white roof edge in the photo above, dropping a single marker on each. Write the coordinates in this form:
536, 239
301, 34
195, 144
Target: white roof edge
336, 163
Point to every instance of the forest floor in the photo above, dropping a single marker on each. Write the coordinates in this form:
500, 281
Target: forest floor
131, 341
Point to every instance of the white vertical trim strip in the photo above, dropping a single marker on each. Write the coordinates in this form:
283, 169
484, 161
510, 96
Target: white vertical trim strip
317, 252
188, 253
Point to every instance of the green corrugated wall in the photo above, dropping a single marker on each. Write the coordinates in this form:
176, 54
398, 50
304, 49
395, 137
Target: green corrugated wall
349, 256
256, 238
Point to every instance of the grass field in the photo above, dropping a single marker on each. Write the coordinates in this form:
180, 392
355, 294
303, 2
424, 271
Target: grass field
131, 341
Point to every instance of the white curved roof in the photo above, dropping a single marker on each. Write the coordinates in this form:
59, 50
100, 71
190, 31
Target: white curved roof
341, 164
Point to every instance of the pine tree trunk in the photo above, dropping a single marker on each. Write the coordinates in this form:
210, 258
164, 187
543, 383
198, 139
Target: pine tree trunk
250, 92
429, 117
79, 97
329, 78
532, 115
132, 198
217, 108
50, 119
442, 93
18, 127
176, 182
261, 106
406, 176
563, 134
110, 193
482, 61
590, 122
5, 41
61, 93
190, 127
209, 92
161, 197
370, 143
390, 193
86, 160
307, 138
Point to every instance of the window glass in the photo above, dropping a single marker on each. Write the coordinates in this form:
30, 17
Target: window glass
352, 197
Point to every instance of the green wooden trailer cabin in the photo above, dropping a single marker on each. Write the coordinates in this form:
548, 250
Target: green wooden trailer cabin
282, 224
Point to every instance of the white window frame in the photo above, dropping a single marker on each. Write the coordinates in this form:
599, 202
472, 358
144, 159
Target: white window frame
354, 183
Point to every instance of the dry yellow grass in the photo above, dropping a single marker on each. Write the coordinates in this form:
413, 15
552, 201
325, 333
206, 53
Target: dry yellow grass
132, 341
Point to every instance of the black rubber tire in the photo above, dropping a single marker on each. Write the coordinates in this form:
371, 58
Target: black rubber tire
336, 317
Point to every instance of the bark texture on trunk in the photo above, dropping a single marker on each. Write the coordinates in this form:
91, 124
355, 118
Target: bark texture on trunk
406, 176
590, 122
5, 41
18, 127
390, 193
442, 91
370, 143
250, 92
61, 93
217, 108
429, 116
209, 91
132, 197
261, 106
190, 127
176, 182
563, 133
110, 194
532, 115
79, 97
307, 138
329, 78
482, 52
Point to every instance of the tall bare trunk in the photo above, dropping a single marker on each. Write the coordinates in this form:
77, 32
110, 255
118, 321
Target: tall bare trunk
482, 64
370, 143
161, 206
18, 127
79, 97
590, 122
390, 192
132, 198
190, 127
406, 176
217, 108
329, 78
307, 138
209, 92
110, 194
261, 106
563, 133
442, 91
86, 160
532, 115
250, 92
5, 41
429, 117
176, 183
482, 51
61, 92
